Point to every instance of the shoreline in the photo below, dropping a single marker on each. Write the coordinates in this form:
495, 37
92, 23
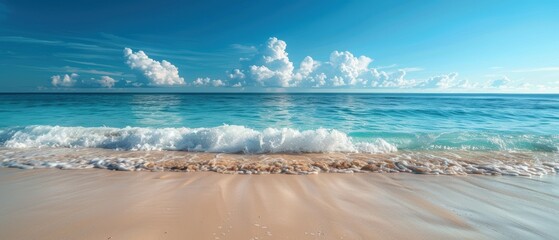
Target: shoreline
97, 204
451, 162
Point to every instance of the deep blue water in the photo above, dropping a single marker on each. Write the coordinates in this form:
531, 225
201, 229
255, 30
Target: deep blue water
407, 121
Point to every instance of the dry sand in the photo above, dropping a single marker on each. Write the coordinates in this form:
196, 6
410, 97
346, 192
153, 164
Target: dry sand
100, 204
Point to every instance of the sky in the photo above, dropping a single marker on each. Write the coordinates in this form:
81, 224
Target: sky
279, 46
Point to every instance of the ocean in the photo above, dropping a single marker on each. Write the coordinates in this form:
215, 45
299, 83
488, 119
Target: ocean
283, 132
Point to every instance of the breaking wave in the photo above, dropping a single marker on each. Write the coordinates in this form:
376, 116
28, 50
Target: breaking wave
222, 139
319, 150
241, 139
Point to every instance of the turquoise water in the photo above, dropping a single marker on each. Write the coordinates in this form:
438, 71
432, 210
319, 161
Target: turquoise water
281, 122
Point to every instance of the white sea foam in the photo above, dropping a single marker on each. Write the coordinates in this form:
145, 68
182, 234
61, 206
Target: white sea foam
453, 162
226, 139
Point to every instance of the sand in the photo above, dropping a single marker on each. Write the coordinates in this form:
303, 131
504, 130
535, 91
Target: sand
101, 204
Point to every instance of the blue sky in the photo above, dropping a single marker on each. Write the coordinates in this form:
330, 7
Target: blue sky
384, 46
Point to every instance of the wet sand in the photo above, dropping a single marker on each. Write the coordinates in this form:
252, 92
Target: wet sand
101, 204
456, 162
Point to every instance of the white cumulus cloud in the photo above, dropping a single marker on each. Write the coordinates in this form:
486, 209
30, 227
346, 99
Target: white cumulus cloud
200, 82
106, 81
348, 69
443, 81
158, 73
66, 80
218, 83
73, 80
271, 67
308, 65
381, 79
236, 74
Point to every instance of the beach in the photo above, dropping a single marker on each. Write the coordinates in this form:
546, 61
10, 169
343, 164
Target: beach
101, 204
254, 120
290, 166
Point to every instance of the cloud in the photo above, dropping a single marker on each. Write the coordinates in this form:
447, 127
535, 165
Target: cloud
443, 81
388, 66
307, 66
271, 67
89, 71
64, 81
158, 73
201, 82
218, 83
413, 69
90, 63
19, 39
236, 74
72, 80
106, 81
499, 83
71, 45
244, 48
347, 69
381, 79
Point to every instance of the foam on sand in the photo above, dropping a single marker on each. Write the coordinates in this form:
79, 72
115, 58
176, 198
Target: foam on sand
421, 162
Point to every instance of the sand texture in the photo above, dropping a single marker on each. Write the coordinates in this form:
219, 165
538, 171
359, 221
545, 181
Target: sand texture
101, 204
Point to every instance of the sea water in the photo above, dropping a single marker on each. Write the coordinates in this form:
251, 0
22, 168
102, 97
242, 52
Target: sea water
428, 133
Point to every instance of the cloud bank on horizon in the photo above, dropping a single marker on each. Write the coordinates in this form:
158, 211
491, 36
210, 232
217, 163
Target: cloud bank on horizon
271, 67
73, 80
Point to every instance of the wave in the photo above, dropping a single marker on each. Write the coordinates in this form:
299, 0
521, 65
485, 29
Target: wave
241, 139
222, 139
